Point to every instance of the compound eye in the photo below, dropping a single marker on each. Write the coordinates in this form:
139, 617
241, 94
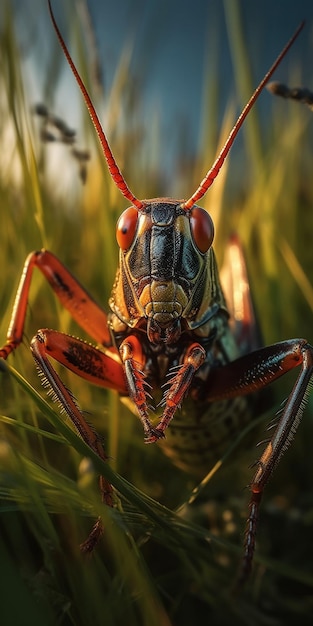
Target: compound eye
202, 229
126, 228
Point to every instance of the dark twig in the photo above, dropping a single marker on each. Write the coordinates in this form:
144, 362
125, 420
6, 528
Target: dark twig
301, 94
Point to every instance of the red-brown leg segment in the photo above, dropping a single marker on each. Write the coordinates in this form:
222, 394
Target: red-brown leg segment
252, 372
178, 387
98, 367
94, 366
133, 359
101, 368
62, 394
87, 313
273, 452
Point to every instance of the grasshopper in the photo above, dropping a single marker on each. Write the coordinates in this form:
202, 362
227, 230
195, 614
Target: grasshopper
169, 324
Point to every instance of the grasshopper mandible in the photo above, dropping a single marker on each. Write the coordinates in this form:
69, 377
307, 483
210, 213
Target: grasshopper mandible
168, 321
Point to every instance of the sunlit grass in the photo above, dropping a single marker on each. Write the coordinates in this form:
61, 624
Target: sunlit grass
153, 565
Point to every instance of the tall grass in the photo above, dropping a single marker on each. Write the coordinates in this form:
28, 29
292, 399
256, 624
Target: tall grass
153, 566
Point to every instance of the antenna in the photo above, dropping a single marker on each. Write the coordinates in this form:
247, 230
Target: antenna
112, 165
213, 172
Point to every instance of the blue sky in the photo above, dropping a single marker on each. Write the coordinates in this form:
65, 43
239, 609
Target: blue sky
175, 45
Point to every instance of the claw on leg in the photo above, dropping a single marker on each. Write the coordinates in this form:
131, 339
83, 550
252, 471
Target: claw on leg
155, 435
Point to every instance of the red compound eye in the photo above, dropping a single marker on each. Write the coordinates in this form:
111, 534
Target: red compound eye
126, 228
202, 228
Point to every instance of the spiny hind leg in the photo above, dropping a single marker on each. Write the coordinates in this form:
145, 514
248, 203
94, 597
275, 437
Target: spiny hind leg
91, 364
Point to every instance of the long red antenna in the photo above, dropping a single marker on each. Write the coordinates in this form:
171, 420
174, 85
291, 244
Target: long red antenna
213, 172
112, 165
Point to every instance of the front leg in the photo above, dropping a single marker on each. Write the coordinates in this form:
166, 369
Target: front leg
250, 373
134, 361
178, 386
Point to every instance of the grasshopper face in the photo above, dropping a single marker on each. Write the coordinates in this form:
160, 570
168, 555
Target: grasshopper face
165, 253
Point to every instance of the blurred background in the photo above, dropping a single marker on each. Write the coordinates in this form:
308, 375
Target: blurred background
168, 80
172, 52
